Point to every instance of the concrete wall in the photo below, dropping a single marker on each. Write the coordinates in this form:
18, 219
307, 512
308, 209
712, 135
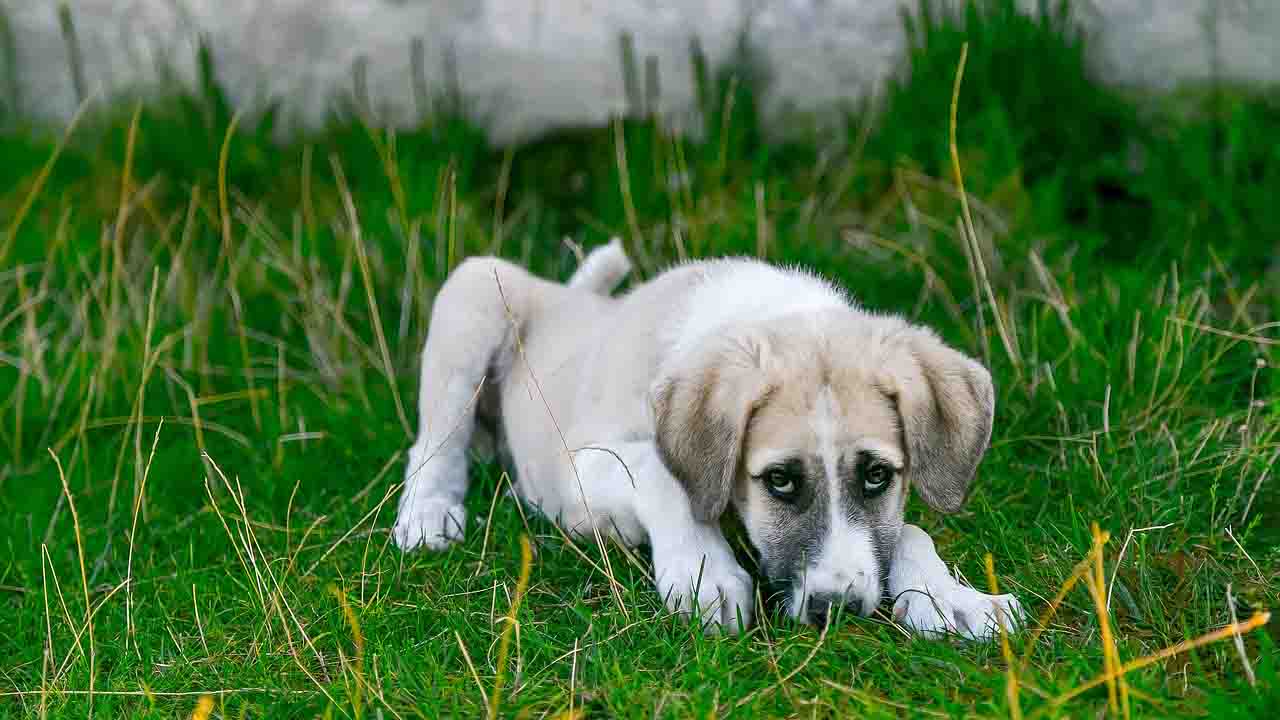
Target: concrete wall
531, 65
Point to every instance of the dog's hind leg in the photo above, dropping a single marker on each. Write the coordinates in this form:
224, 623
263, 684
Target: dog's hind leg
469, 345
603, 269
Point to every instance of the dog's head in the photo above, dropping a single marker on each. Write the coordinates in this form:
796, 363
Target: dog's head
814, 426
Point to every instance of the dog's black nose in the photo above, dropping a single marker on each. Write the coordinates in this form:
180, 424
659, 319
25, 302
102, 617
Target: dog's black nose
823, 604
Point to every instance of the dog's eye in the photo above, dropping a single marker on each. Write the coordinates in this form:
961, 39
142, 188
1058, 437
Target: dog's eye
780, 483
876, 479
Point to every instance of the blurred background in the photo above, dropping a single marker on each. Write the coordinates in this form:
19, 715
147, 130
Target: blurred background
523, 67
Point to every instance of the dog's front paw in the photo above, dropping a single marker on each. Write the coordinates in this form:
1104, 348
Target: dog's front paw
432, 523
958, 610
710, 586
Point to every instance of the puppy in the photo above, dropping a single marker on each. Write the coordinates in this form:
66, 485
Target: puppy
717, 384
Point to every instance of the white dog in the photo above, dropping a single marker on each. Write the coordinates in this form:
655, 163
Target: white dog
716, 384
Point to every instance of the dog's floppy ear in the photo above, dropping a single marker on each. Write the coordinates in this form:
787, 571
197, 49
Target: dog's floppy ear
946, 402
701, 404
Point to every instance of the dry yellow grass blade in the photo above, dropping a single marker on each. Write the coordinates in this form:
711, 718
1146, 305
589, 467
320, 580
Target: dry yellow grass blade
357, 637
124, 207
133, 532
46, 560
969, 234
782, 681
470, 665
224, 216
1096, 582
47, 658
1080, 569
224, 221
1258, 620
11, 234
504, 645
204, 708
1012, 688
362, 259
1114, 672
84, 577
624, 185
78, 632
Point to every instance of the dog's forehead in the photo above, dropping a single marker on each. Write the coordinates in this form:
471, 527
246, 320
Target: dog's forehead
816, 413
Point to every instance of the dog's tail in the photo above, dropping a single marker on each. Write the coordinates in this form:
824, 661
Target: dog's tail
603, 269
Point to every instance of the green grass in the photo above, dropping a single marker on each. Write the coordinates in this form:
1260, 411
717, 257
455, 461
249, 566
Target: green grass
1130, 247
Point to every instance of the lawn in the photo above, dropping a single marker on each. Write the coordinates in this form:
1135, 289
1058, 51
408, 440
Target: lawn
208, 368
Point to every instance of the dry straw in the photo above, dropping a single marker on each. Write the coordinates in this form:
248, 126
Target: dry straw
504, 645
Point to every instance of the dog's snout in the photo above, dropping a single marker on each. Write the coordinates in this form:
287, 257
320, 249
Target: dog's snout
854, 591
821, 605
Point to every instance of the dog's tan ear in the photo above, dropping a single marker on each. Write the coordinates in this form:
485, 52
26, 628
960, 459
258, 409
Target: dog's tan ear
946, 401
701, 406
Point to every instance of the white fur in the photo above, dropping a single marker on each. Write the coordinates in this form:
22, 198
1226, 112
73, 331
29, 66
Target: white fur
930, 601
847, 563
574, 397
603, 270
735, 292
